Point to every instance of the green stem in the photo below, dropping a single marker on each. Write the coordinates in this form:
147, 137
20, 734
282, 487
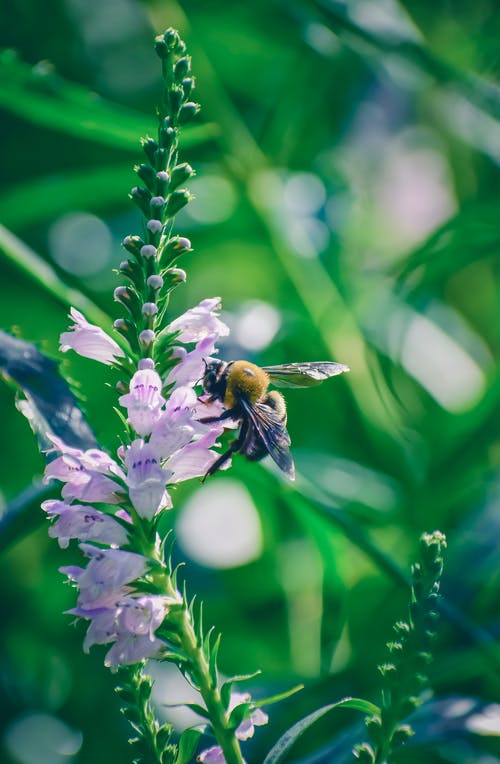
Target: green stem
209, 692
200, 668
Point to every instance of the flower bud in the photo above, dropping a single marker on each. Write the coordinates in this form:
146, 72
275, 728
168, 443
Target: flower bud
141, 196
175, 98
167, 136
133, 244
179, 174
154, 226
162, 181
182, 68
122, 387
149, 146
188, 111
148, 250
120, 324
146, 174
188, 85
146, 363
155, 282
176, 201
157, 205
150, 309
176, 275
121, 294
146, 337
161, 157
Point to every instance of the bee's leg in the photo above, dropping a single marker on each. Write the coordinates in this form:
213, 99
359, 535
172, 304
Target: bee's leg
227, 414
234, 447
223, 458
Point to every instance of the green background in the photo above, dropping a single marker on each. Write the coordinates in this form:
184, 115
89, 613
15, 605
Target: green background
347, 197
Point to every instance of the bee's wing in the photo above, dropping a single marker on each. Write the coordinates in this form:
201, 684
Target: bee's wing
303, 374
274, 434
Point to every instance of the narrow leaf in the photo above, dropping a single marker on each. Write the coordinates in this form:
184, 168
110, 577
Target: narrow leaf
52, 407
276, 698
286, 741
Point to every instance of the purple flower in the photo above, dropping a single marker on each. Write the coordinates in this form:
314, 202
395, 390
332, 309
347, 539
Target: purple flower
178, 423
84, 523
82, 484
89, 341
101, 582
191, 367
142, 615
212, 755
200, 322
194, 459
86, 474
146, 479
256, 717
144, 401
133, 648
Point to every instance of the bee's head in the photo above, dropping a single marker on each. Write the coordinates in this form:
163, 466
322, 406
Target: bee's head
214, 381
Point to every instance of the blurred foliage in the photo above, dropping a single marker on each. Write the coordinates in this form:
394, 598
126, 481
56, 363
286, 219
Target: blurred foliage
346, 209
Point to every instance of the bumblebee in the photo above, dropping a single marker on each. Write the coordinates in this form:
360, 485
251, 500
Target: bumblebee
261, 413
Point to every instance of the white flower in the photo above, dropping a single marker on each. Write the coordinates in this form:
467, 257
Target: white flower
200, 322
89, 341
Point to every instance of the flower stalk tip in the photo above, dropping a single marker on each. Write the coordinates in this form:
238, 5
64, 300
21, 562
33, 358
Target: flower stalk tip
127, 592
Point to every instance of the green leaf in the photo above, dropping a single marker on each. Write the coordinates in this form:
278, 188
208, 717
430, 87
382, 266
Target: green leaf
226, 687
40, 96
32, 265
188, 742
52, 407
193, 706
276, 698
286, 741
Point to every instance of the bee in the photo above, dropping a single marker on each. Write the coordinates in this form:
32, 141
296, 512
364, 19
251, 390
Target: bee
261, 413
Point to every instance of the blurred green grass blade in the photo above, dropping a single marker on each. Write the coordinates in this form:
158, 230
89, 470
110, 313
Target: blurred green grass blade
90, 189
286, 741
23, 515
311, 498
32, 265
42, 97
484, 94
471, 235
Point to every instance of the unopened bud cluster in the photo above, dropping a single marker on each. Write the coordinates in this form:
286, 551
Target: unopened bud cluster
151, 266
405, 673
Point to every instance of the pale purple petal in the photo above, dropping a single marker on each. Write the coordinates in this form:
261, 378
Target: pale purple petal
93, 488
194, 459
102, 628
191, 367
145, 479
200, 322
89, 341
107, 571
142, 615
177, 425
212, 755
133, 648
144, 401
84, 523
